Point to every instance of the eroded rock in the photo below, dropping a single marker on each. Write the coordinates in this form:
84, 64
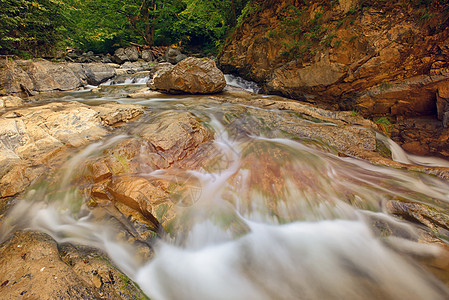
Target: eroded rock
192, 76
11, 102
170, 141
31, 77
32, 265
31, 137
346, 55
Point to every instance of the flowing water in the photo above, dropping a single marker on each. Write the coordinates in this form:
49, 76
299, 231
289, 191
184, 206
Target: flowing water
272, 218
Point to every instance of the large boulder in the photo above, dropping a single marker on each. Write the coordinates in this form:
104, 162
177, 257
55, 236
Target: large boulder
14, 79
191, 76
97, 73
29, 77
48, 76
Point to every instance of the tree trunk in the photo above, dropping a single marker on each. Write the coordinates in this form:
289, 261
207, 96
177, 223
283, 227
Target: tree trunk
147, 7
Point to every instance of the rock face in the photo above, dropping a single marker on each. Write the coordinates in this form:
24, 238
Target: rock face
30, 77
191, 75
31, 139
360, 55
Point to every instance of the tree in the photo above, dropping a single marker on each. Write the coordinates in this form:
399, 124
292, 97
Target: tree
207, 22
31, 26
102, 24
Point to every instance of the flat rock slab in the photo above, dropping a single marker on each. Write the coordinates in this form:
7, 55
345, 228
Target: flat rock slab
31, 137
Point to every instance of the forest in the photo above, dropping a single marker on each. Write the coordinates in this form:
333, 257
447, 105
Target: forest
44, 28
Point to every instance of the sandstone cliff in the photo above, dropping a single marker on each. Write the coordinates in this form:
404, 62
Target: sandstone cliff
375, 57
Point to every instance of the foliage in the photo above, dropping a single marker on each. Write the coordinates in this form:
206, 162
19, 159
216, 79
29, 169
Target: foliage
299, 32
207, 22
39, 27
384, 125
100, 25
31, 26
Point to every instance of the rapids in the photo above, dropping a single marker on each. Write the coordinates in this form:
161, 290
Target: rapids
273, 218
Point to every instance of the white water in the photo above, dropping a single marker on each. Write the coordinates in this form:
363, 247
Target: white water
399, 155
303, 241
242, 83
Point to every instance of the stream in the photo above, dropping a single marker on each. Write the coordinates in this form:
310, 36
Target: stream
271, 216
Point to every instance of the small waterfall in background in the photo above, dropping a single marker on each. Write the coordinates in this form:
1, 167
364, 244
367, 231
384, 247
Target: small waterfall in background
239, 82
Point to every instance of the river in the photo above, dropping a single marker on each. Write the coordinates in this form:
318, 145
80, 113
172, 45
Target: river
273, 216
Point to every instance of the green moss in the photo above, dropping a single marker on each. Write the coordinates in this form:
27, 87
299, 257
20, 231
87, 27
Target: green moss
384, 86
384, 124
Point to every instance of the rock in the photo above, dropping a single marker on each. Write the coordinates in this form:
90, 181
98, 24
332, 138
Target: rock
335, 59
32, 137
126, 54
134, 67
174, 55
31, 77
294, 80
97, 73
192, 76
33, 266
147, 55
169, 141
14, 79
347, 5
411, 97
136, 77
48, 76
10, 102
434, 218
443, 102
145, 93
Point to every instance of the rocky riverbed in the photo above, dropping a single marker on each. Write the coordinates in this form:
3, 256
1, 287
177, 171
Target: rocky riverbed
136, 160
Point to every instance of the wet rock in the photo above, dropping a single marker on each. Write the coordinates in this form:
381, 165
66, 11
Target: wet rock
434, 218
32, 137
175, 134
169, 141
145, 93
144, 196
192, 76
421, 136
32, 265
